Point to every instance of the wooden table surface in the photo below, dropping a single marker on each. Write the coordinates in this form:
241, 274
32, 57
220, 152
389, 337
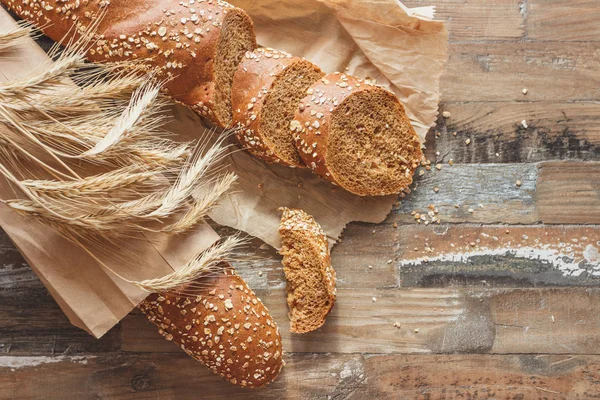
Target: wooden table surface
499, 300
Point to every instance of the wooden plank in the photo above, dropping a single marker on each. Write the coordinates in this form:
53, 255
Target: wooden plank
563, 20
468, 186
478, 20
445, 320
569, 191
306, 376
499, 256
475, 377
499, 71
554, 131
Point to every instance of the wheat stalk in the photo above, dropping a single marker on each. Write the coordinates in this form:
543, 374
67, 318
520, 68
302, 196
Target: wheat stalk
203, 264
101, 184
11, 37
45, 78
205, 200
110, 216
140, 103
96, 94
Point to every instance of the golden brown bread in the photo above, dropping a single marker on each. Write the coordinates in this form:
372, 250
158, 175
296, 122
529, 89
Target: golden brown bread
267, 87
356, 135
196, 44
311, 281
224, 326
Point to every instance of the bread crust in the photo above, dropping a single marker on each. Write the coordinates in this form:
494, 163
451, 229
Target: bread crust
252, 82
313, 118
294, 219
174, 42
223, 325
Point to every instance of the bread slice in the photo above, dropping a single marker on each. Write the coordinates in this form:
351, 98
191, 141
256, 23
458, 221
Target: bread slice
267, 88
237, 37
307, 266
357, 136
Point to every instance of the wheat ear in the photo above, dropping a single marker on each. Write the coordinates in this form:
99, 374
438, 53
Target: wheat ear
203, 264
11, 37
135, 112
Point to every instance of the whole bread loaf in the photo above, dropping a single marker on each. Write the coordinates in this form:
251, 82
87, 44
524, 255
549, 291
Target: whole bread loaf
195, 44
267, 88
221, 323
357, 136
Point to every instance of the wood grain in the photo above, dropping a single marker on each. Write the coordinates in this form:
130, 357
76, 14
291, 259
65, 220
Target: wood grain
565, 193
499, 71
569, 191
478, 20
332, 376
444, 320
555, 131
563, 20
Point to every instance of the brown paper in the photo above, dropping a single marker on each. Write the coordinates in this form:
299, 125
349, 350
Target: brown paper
92, 298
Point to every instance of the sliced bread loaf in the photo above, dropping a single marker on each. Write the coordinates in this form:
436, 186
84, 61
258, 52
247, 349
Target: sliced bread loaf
307, 266
357, 136
195, 45
267, 88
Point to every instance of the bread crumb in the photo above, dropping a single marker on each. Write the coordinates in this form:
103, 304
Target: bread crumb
438, 166
374, 299
518, 183
524, 123
446, 114
396, 324
468, 142
416, 330
370, 267
260, 273
436, 189
525, 91
471, 210
450, 162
